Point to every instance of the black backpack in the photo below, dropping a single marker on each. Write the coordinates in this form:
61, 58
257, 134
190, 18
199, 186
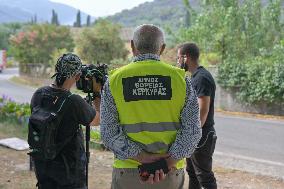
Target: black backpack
44, 123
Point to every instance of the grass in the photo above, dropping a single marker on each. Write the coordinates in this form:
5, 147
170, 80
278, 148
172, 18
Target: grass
23, 81
10, 128
252, 115
38, 83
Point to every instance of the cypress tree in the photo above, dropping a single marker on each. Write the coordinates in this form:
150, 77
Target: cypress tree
35, 19
78, 19
56, 19
53, 17
88, 20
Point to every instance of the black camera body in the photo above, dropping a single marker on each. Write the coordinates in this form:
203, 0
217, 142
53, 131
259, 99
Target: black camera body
89, 72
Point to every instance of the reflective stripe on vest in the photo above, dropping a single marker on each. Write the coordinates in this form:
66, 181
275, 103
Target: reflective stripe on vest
151, 127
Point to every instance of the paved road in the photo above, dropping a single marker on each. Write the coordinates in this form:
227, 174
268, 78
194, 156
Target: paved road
14, 91
254, 145
8, 73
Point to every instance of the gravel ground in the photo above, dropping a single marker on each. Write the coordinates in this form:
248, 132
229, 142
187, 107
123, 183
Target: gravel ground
15, 174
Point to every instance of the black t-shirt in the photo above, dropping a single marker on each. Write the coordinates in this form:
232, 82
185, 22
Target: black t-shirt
78, 112
204, 85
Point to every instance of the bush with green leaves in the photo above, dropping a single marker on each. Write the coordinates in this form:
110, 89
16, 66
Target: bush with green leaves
95, 135
4, 37
6, 30
245, 36
259, 79
233, 28
13, 110
38, 42
101, 43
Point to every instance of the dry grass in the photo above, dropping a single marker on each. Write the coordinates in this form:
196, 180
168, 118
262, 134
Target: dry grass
250, 115
14, 173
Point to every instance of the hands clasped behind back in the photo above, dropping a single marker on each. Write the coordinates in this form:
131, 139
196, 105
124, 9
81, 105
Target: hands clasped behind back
159, 175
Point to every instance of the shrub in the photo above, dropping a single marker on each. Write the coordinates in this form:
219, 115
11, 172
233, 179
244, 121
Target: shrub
101, 43
95, 135
38, 42
15, 111
259, 79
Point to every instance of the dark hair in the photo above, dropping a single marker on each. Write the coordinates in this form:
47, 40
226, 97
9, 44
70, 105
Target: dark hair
190, 49
60, 80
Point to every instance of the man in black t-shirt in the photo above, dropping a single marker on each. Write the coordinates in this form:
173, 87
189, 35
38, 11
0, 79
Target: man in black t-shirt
199, 165
67, 170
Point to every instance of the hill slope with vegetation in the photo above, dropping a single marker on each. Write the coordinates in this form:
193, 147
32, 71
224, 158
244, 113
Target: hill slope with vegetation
159, 12
170, 13
24, 10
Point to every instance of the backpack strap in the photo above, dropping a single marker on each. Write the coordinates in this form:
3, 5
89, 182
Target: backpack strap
54, 99
62, 107
62, 110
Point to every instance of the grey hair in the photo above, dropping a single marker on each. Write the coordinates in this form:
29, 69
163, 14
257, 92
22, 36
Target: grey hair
148, 38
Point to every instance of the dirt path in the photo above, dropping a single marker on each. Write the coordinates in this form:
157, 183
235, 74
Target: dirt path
14, 173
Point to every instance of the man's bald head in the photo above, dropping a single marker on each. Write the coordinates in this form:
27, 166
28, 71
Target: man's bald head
148, 38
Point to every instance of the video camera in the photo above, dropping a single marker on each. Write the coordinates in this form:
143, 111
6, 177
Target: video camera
98, 71
85, 84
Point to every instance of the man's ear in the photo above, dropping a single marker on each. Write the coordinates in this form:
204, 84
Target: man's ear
188, 58
134, 52
162, 49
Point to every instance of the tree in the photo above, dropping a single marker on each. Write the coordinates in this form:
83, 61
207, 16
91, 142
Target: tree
34, 19
57, 20
54, 18
78, 20
14, 27
188, 10
6, 30
38, 42
247, 36
101, 43
88, 23
4, 36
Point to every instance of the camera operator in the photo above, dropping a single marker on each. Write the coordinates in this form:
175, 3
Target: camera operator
67, 169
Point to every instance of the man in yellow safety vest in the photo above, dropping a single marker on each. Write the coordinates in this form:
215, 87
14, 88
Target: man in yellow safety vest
149, 113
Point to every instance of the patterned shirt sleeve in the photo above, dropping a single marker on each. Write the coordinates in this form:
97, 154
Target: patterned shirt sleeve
190, 133
111, 132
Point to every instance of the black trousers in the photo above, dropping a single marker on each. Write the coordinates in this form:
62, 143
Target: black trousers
54, 175
199, 165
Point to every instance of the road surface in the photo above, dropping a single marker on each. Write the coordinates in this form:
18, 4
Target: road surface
253, 145
14, 91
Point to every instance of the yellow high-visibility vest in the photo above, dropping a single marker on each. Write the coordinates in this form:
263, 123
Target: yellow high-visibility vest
149, 97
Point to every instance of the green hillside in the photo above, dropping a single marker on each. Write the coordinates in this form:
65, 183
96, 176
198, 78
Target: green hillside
160, 12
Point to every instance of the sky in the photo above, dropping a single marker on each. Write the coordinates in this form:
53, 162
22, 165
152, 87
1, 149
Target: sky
100, 8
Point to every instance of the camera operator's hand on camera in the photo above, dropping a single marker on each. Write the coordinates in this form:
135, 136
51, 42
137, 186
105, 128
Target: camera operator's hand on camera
97, 101
97, 87
96, 106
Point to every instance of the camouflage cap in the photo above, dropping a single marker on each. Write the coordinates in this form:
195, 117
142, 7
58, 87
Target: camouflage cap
68, 65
